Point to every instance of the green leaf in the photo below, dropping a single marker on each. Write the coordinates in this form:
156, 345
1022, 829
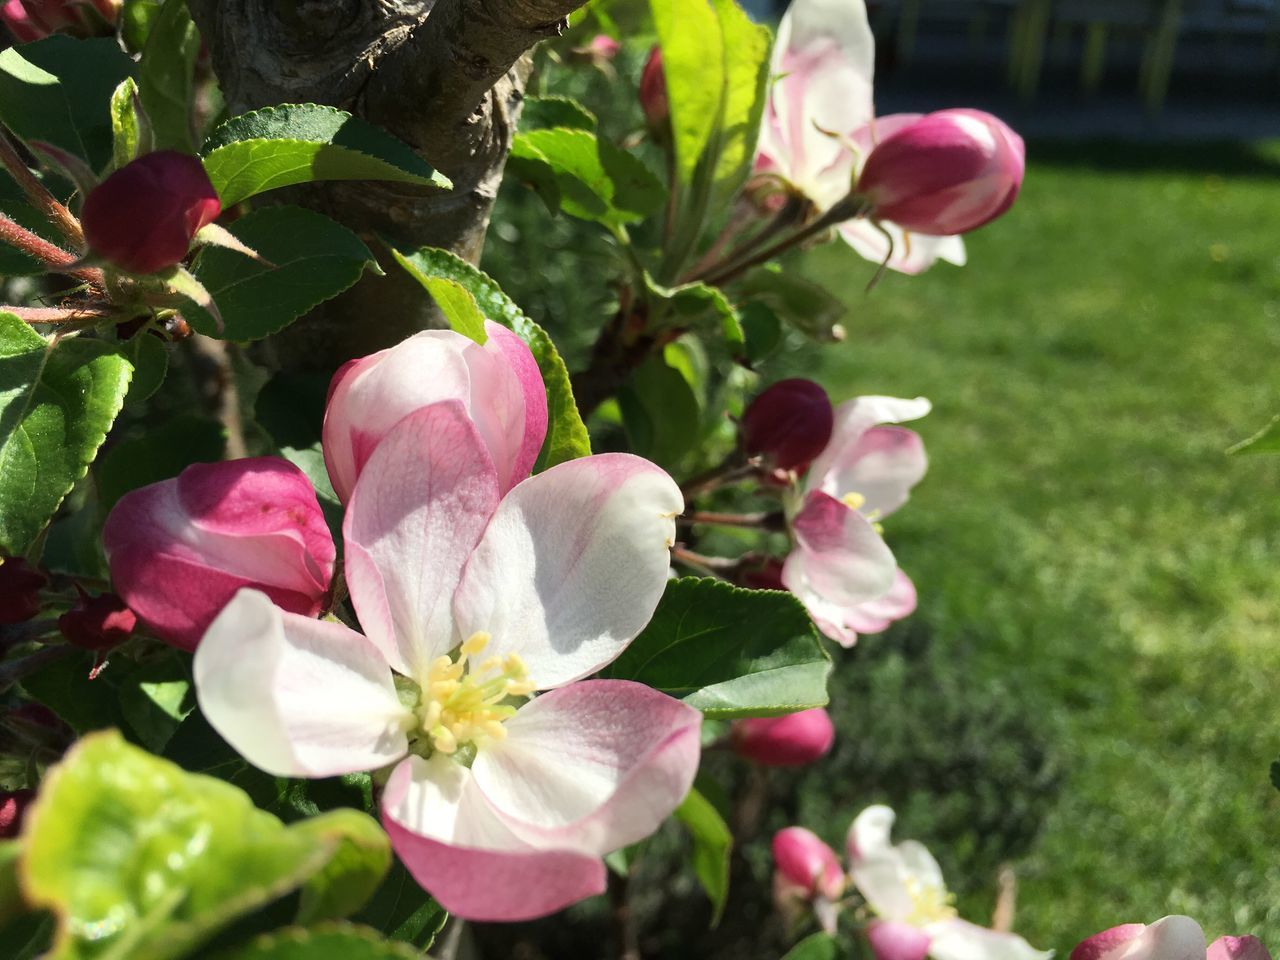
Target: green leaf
10, 895
58, 90
746, 77
761, 331
404, 910
712, 845
303, 142
729, 652
819, 946
136, 21
157, 453
1266, 440
314, 260
695, 305
541, 113
802, 303
150, 359
155, 697
143, 861
65, 688
126, 126
566, 434
454, 300
327, 942
310, 460
166, 77
660, 413
57, 402
361, 857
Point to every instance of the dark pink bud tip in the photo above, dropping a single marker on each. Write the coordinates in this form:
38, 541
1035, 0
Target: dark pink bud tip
767, 576
143, 217
653, 93
13, 807
98, 623
948, 172
19, 590
789, 424
794, 740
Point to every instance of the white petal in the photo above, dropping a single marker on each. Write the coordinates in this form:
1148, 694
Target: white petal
912, 252
297, 696
881, 467
853, 418
839, 559
961, 940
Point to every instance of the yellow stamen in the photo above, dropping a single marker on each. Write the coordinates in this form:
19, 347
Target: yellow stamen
464, 702
854, 501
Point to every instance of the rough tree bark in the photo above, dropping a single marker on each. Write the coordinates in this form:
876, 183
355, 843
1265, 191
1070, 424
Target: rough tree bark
446, 77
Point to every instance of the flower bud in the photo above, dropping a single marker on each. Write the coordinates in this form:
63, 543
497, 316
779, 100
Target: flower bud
19, 590
13, 807
792, 740
653, 95
602, 47
31, 20
767, 576
20, 23
1238, 948
806, 864
98, 623
788, 424
144, 216
946, 173
180, 549
894, 940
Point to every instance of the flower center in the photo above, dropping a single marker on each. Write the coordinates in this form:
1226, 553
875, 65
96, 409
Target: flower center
929, 903
463, 703
856, 501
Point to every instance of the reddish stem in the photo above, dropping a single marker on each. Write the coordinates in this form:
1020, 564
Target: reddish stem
53, 257
38, 195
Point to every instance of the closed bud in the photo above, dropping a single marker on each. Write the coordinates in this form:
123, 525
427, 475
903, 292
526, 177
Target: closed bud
13, 807
793, 740
946, 173
805, 865
766, 576
144, 216
788, 424
19, 590
20, 23
602, 47
653, 95
180, 549
31, 20
98, 623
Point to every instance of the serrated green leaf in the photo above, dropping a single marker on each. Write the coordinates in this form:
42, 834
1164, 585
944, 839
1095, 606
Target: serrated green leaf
143, 861
802, 303
327, 942
818, 946
712, 846
303, 142
566, 434
314, 259
361, 858
157, 453
729, 652
166, 77
404, 910
1266, 440
695, 305
660, 413
149, 356
58, 90
57, 402
541, 113
454, 300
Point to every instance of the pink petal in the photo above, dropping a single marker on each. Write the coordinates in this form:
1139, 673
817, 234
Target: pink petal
593, 766
961, 940
572, 565
805, 862
882, 466
845, 624
853, 419
298, 697
451, 842
421, 504
1169, 938
792, 740
1238, 948
525, 367
1099, 945
894, 940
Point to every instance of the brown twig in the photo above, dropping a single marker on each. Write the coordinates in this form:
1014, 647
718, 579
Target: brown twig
56, 314
38, 194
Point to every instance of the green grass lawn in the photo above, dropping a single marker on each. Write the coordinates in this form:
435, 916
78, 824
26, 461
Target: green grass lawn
1082, 545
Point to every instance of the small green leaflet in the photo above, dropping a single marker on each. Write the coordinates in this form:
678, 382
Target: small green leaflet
166, 77
712, 845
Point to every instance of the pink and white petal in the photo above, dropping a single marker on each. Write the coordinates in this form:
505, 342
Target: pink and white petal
881, 466
1238, 948
591, 767
1107, 943
913, 253
853, 418
876, 615
459, 851
520, 359
572, 565
839, 559
961, 940
875, 866
417, 512
297, 697
895, 940
496, 405
1169, 938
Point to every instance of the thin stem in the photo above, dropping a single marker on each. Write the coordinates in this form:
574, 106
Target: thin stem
792, 212
716, 566
56, 314
759, 519
624, 921
53, 257
742, 216
733, 469
38, 194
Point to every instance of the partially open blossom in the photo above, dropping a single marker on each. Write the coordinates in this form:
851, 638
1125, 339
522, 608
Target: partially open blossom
180, 549
792, 740
1169, 938
788, 424
840, 567
653, 95
13, 807
144, 216
20, 586
498, 384
477, 597
903, 887
947, 172
98, 623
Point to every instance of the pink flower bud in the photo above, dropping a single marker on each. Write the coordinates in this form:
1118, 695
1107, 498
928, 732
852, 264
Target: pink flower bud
180, 549
788, 741
948, 172
603, 47
653, 95
807, 864
13, 807
144, 216
98, 623
31, 20
1238, 948
19, 590
20, 23
767, 576
892, 940
788, 424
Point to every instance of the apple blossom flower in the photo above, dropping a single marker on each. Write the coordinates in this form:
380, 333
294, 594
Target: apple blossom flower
653, 95
180, 549
97, 623
792, 740
31, 20
13, 808
144, 216
915, 916
1169, 938
472, 598
498, 383
807, 874
788, 424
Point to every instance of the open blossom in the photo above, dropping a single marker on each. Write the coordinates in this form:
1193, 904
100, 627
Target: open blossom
840, 567
180, 549
498, 384
903, 886
1169, 938
474, 596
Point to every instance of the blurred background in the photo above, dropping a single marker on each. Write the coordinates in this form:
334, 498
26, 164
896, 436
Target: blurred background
1085, 699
